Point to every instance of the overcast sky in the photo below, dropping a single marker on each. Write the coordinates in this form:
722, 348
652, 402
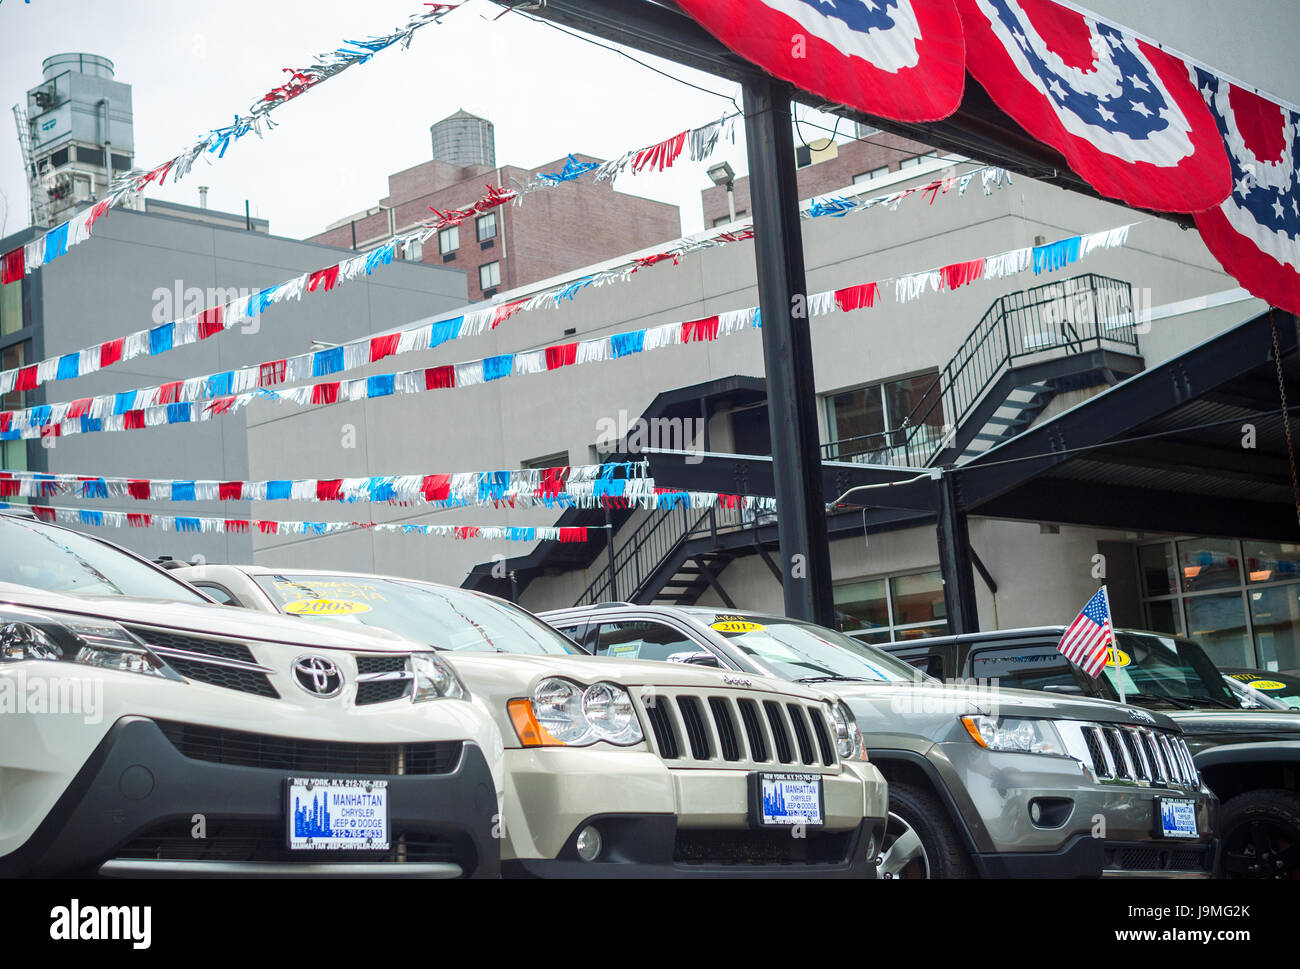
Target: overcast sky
193, 66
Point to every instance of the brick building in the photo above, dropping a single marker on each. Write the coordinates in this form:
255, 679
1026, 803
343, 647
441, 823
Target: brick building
555, 230
824, 167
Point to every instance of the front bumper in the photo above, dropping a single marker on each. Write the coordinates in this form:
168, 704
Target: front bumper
658, 821
1100, 829
140, 806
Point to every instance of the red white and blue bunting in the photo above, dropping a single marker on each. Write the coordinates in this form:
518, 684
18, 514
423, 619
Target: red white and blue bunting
1255, 233
612, 485
205, 398
199, 524
900, 59
218, 318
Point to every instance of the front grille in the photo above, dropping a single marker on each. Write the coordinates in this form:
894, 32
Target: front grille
743, 848
291, 754
381, 664
738, 729
1145, 857
1140, 755
166, 639
229, 677
381, 691
233, 840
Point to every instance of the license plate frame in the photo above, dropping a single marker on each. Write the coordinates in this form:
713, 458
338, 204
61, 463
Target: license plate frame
1184, 806
371, 819
760, 817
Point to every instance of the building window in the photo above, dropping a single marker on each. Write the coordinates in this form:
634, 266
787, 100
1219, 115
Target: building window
1239, 599
487, 227
414, 251
894, 608
449, 239
11, 308
560, 459
489, 276
917, 159
857, 420
868, 176
11, 358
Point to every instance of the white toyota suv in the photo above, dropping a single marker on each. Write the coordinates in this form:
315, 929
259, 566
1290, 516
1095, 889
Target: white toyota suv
145, 730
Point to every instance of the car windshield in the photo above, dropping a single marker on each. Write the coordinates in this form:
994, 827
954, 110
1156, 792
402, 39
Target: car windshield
1275, 686
55, 559
1153, 667
442, 617
806, 653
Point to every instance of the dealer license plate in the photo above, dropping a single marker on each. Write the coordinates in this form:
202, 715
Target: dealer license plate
331, 815
1178, 817
789, 799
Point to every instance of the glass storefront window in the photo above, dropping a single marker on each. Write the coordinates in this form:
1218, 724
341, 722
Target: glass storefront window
1218, 623
1157, 565
1275, 614
917, 598
862, 606
897, 608
1271, 561
1209, 563
1163, 617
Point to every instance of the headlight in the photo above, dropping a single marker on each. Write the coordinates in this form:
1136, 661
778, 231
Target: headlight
562, 713
27, 635
1009, 733
434, 679
848, 738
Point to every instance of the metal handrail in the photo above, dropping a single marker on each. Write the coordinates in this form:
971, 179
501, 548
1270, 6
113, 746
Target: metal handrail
1054, 319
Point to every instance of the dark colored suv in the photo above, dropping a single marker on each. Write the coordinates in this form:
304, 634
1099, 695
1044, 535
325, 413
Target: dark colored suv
1250, 758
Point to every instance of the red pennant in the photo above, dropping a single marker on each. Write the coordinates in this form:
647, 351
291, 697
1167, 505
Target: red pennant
325, 393
960, 273
562, 355
111, 352
230, 490
137, 520
696, 330
133, 420
326, 279
139, 489
12, 266
210, 322
383, 346
436, 378
271, 374
329, 490
436, 487
857, 297
168, 393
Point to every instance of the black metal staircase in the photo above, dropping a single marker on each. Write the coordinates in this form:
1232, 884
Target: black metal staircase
1030, 347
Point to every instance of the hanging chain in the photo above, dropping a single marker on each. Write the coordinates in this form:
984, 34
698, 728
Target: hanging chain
1286, 416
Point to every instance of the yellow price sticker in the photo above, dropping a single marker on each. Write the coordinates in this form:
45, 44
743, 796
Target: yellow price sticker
1117, 657
324, 607
1266, 685
738, 626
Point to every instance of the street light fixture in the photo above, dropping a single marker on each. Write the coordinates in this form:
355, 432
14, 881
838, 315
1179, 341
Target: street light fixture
724, 176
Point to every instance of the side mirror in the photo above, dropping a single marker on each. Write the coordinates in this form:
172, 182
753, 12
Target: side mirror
696, 659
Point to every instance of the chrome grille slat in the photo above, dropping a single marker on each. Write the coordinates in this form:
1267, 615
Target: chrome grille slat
1126, 754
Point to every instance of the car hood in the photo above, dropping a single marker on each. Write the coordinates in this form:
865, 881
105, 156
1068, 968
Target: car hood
1239, 725
955, 700
214, 620
518, 671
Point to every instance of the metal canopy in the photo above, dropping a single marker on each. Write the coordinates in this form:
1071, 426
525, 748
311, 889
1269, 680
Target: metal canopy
979, 129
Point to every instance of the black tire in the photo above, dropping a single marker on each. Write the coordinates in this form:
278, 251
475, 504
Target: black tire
917, 809
1261, 835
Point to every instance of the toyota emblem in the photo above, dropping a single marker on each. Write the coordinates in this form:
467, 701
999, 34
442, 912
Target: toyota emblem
318, 676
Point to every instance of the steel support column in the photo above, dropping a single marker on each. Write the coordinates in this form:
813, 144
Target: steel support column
955, 558
787, 353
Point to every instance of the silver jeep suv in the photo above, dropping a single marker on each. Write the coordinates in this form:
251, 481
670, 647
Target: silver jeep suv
982, 781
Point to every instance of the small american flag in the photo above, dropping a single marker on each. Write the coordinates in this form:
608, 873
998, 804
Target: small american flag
1086, 642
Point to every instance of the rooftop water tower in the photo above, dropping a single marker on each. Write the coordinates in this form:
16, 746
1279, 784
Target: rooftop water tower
464, 139
76, 133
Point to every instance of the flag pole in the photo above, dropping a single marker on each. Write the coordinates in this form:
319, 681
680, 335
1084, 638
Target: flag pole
1113, 655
